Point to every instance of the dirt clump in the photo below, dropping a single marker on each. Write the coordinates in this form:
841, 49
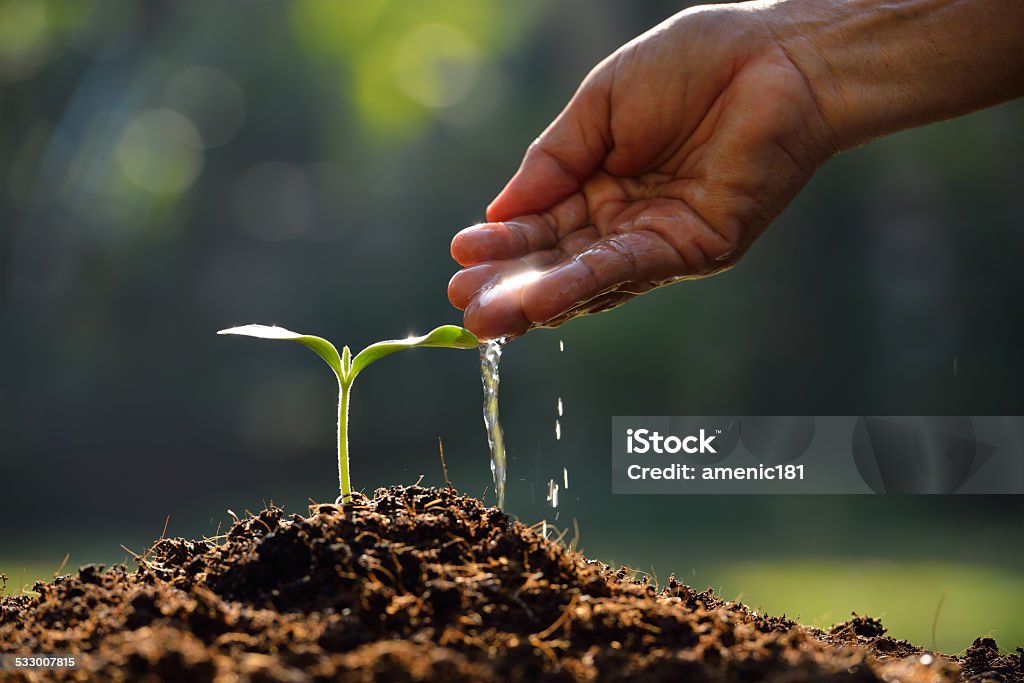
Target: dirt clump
421, 584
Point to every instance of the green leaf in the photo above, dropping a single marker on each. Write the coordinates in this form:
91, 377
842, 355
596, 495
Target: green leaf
322, 347
444, 337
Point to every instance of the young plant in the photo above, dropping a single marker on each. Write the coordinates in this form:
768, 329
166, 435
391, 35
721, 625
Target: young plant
346, 368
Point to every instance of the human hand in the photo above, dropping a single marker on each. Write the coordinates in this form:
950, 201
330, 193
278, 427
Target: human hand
680, 148
672, 157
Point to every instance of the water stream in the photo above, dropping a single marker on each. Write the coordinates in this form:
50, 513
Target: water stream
490, 356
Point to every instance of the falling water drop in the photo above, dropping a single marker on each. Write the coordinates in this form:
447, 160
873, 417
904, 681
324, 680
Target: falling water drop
558, 430
565, 478
561, 345
490, 356
553, 493
559, 406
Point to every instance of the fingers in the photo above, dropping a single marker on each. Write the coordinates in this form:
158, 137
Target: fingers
499, 241
525, 235
566, 153
498, 314
509, 298
470, 282
610, 263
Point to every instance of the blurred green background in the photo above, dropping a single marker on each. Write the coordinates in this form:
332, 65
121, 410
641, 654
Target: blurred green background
168, 169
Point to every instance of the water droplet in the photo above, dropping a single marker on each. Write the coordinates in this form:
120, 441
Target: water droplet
559, 406
565, 478
553, 493
561, 346
558, 430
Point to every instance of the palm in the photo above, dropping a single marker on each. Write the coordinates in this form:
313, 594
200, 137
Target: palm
696, 168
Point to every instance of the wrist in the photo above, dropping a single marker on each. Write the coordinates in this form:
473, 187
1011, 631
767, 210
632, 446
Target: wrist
879, 66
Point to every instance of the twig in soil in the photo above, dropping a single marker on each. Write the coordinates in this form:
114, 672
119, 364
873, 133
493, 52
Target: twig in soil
545, 649
444, 466
64, 563
576, 534
558, 539
260, 520
455, 541
216, 539
935, 620
547, 526
561, 620
135, 555
638, 573
163, 534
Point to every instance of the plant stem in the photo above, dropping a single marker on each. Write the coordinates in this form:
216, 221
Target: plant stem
343, 478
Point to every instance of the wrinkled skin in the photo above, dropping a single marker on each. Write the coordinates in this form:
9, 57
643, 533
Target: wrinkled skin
675, 153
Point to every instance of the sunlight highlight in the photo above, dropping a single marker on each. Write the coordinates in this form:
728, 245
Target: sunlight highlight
519, 279
512, 282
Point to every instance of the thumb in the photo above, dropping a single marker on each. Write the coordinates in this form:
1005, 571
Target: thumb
561, 159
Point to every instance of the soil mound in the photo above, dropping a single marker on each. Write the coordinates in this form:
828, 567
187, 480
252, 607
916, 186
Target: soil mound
420, 584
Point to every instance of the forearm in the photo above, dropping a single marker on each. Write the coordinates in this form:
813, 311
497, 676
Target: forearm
879, 66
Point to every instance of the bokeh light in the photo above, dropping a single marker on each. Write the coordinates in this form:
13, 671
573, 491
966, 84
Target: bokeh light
26, 41
160, 151
437, 65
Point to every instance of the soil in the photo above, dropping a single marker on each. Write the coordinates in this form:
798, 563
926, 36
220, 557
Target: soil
421, 584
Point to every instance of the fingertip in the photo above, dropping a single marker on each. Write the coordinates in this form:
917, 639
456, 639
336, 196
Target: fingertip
468, 282
539, 184
488, 242
527, 195
496, 211
455, 293
495, 318
463, 246
505, 205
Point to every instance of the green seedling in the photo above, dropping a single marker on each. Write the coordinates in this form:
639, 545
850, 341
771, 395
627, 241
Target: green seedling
346, 368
